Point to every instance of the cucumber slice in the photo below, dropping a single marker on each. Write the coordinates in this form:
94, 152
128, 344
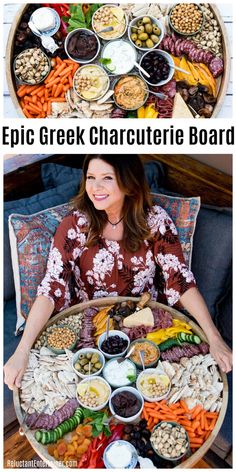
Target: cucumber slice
111, 67
38, 436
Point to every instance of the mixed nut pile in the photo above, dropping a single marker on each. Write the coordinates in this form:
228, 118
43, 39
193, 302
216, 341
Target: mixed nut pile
32, 66
210, 38
169, 440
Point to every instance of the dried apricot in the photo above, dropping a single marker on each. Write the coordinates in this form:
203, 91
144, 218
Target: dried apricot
87, 430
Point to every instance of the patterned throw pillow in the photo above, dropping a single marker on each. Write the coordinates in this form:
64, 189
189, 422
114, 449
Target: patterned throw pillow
30, 240
31, 235
183, 212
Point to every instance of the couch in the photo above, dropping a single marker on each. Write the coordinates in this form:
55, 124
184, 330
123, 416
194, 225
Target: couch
211, 264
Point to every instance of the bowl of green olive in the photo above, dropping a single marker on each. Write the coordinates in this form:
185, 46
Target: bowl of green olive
88, 362
146, 32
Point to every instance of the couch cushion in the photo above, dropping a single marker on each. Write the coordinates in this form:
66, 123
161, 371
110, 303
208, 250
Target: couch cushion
56, 174
27, 206
212, 255
10, 344
183, 212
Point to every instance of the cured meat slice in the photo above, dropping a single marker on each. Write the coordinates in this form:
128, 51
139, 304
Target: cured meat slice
216, 66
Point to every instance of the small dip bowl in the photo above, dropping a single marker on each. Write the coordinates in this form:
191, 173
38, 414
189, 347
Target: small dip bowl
118, 21
135, 392
113, 371
57, 334
161, 425
143, 386
19, 58
122, 55
84, 35
123, 89
137, 22
88, 354
149, 347
113, 332
98, 79
168, 60
94, 385
44, 11
182, 33
118, 445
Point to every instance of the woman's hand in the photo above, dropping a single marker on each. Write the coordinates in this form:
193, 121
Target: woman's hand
14, 369
221, 353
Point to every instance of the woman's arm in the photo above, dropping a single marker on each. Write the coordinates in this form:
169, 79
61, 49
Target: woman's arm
194, 303
38, 317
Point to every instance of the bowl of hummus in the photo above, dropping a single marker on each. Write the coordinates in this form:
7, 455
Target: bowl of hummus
91, 82
93, 393
111, 17
130, 92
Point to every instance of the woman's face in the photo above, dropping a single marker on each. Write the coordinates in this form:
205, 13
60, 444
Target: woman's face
102, 187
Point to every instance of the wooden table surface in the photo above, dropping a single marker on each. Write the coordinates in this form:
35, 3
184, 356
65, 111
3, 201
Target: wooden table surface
10, 10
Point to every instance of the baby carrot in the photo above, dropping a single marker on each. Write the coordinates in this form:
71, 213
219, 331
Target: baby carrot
59, 89
53, 99
54, 87
211, 414
212, 424
68, 61
41, 93
195, 446
37, 90
70, 80
42, 100
34, 99
49, 110
195, 424
66, 71
46, 94
33, 107
52, 82
202, 420
58, 60
26, 113
21, 90
49, 77
45, 107
60, 69
75, 67
184, 406
196, 410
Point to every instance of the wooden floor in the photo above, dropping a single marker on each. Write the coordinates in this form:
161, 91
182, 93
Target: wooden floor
17, 448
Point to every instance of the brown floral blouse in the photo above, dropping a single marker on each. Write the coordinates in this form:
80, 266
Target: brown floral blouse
76, 273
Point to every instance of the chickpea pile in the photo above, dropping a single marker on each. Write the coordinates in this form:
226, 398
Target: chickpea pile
104, 16
89, 399
83, 83
157, 389
61, 338
186, 18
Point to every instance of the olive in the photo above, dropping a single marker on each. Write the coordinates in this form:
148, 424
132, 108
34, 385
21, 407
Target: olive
95, 358
146, 20
140, 29
156, 30
154, 38
77, 366
149, 43
143, 36
133, 30
83, 362
138, 43
89, 355
139, 22
144, 44
134, 37
148, 28
98, 365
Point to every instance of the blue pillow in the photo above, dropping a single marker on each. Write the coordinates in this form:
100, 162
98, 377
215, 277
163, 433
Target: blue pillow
212, 254
27, 206
56, 174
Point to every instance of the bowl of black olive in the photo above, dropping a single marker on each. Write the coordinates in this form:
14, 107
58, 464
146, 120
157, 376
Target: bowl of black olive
159, 65
115, 345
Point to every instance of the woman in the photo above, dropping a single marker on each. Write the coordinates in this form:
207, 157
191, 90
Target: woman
114, 243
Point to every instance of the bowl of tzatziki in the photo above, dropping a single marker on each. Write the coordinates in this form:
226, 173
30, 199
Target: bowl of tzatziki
120, 374
119, 56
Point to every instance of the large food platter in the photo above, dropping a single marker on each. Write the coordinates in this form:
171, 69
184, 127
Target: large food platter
196, 94
101, 303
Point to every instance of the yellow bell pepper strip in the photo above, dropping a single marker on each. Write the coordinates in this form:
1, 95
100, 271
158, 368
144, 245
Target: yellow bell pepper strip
101, 314
150, 111
163, 334
141, 112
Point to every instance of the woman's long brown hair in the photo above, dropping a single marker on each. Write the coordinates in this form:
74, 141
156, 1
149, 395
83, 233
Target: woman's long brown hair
131, 179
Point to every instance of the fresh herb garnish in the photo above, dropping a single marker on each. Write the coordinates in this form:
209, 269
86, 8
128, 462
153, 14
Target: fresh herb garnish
79, 19
97, 419
131, 377
105, 60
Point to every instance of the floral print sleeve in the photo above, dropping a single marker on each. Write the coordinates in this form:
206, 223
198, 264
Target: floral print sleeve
62, 277
174, 276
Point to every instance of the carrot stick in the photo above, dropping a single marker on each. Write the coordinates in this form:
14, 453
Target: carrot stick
42, 100
45, 107
56, 100
69, 61
58, 60
49, 110
64, 80
60, 69
70, 80
184, 406
36, 91
54, 87
200, 431
196, 410
52, 82
30, 88
197, 441
195, 424
66, 71
41, 93
59, 89
49, 77
46, 94
153, 414
27, 98
211, 414
212, 424
185, 423
76, 66
195, 446
178, 411
33, 107
39, 104
21, 90
26, 113
202, 420
34, 99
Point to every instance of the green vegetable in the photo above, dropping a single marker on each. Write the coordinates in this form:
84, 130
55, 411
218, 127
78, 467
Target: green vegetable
131, 377
77, 17
132, 114
105, 60
188, 338
171, 342
97, 421
48, 437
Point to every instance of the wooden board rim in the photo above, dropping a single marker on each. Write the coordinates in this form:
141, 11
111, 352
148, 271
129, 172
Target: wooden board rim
223, 83
191, 461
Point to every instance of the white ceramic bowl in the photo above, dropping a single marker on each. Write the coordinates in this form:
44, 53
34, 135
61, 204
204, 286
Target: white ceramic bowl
171, 71
156, 22
104, 74
102, 36
113, 384
113, 332
100, 407
152, 371
81, 61
86, 351
138, 395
